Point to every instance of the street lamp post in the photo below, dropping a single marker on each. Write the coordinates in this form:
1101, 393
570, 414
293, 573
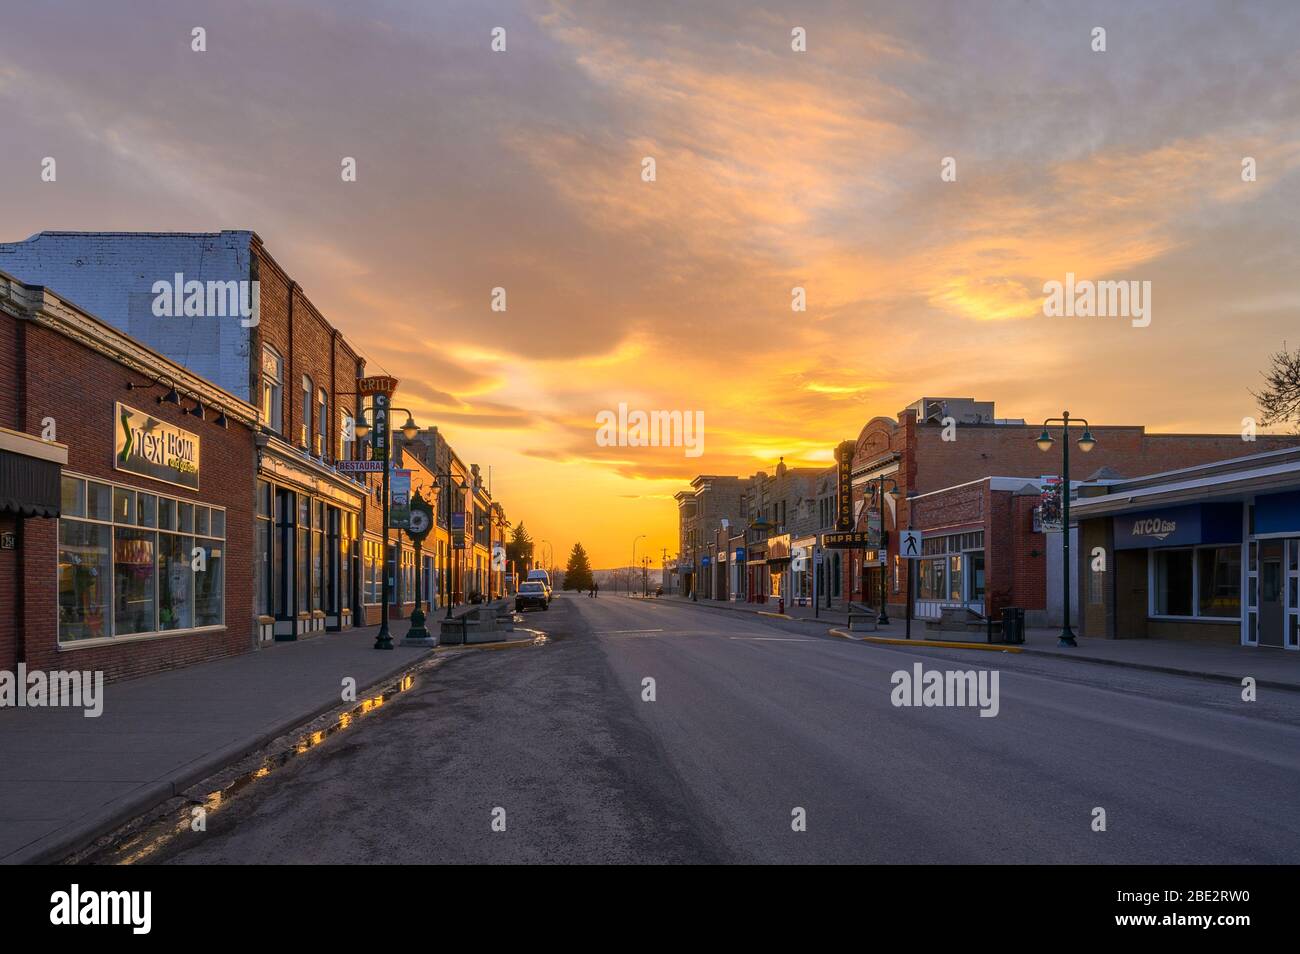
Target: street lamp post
381, 448
450, 483
1086, 443
634, 540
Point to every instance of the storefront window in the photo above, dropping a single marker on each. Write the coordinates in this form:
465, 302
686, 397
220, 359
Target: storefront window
304, 554
133, 581
317, 558
138, 576
175, 581
1219, 582
85, 569
1173, 582
931, 585
209, 585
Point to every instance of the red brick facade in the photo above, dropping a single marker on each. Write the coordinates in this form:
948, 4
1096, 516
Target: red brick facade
926, 462
37, 364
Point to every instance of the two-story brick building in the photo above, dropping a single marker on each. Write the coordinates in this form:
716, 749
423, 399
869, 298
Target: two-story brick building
219, 305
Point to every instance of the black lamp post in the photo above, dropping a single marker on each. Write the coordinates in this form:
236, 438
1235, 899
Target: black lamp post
1086, 443
449, 483
381, 449
883, 619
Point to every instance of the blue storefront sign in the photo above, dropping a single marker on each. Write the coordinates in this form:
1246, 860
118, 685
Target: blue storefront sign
1188, 525
1278, 513
704, 561
740, 555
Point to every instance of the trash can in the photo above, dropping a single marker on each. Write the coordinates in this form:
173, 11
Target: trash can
1013, 624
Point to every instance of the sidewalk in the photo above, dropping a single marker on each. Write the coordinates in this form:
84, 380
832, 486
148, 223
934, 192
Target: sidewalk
1270, 668
65, 779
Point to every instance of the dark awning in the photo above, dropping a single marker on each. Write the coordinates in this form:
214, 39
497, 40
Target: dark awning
29, 485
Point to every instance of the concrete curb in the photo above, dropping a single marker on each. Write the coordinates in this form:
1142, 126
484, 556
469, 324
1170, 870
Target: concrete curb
930, 643
57, 845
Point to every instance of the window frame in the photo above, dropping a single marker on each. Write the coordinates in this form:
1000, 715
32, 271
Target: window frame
155, 532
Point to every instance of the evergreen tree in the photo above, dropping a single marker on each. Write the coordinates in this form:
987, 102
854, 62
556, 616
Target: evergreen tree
577, 575
520, 549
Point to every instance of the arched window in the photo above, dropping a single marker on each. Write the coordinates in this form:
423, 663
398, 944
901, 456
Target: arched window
322, 420
307, 410
272, 389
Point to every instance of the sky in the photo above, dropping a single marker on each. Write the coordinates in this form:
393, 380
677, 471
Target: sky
820, 169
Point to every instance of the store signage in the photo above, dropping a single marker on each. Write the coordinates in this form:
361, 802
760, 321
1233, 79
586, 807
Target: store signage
378, 384
359, 466
853, 539
8, 541
778, 548
153, 448
844, 486
1185, 525
399, 500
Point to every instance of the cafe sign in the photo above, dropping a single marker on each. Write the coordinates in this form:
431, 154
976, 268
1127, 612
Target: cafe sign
153, 448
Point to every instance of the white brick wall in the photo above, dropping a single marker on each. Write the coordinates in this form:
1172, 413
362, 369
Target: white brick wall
111, 275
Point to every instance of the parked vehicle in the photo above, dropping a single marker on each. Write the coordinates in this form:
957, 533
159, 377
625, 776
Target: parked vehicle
532, 593
540, 574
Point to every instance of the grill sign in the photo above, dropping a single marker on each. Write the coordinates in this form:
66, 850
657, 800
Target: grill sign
153, 448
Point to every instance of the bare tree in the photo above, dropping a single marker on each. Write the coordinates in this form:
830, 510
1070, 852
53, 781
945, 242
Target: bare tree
1279, 402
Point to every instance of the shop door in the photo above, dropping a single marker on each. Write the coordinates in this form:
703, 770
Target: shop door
1272, 608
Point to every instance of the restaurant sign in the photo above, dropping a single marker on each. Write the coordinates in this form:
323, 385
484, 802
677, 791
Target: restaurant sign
153, 448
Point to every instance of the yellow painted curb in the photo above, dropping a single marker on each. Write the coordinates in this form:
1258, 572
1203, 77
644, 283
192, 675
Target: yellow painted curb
777, 615
943, 644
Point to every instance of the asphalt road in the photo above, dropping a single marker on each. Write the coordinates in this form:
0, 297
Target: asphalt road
754, 718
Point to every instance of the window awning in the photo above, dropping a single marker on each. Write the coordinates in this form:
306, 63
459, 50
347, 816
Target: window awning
29, 486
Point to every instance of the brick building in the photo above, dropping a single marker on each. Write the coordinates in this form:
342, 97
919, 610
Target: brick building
938, 443
277, 352
126, 537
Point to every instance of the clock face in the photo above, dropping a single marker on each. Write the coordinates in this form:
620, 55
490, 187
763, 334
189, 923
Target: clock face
419, 521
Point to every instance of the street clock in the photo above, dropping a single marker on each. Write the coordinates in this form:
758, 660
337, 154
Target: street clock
421, 518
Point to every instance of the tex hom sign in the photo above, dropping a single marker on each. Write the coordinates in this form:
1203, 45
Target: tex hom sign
153, 448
